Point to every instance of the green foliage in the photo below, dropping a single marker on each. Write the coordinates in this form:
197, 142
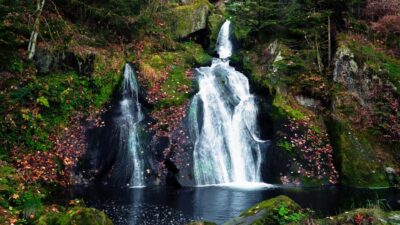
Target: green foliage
275, 211
22, 202
43, 101
286, 146
76, 216
45, 104
284, 215
17, 66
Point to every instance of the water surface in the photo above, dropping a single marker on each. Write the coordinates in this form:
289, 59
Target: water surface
219, 203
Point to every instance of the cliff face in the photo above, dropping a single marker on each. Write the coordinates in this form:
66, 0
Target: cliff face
365, 110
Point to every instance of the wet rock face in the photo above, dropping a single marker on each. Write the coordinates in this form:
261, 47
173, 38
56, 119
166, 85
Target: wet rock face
47, 61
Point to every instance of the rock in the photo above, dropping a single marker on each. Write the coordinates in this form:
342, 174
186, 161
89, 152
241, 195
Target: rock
345, 67
188, 19
47, 61
271, 212
353, 151
308, 102
361, 216
390, 170
75, 216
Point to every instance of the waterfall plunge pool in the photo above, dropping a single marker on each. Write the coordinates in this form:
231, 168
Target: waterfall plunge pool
172, 206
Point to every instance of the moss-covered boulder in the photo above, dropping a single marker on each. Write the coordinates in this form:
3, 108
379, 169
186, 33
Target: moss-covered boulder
373, 216
75, 216
186, 19
279, 210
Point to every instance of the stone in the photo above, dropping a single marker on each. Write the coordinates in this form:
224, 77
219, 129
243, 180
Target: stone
266, 212
189, 18
60, 61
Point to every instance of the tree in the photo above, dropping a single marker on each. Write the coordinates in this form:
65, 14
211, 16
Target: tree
36, 28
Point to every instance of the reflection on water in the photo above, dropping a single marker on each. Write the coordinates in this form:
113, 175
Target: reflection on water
178, 206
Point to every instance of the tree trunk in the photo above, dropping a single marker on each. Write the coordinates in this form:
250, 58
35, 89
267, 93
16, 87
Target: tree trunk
36, 27
318, 54
329, 41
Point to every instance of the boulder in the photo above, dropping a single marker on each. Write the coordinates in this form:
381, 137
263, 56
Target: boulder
278, 210
76, 216
59, 61
188, 19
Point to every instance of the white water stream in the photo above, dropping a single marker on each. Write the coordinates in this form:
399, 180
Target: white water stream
226, 149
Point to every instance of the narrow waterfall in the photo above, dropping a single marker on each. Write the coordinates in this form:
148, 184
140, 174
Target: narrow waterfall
130, 115
224, 45
223, 122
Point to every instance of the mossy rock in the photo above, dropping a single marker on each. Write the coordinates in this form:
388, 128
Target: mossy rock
278, 210
355, 157
187, 19
170, 68
373, 216
75, 216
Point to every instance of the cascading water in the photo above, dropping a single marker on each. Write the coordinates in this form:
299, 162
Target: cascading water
224, 44
223, 118
130, 115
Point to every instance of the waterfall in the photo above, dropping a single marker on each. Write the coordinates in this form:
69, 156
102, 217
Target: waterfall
130, 115
224, 45
226, 147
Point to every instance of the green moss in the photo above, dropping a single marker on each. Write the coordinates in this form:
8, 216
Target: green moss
195, 54
45, 104
75, 216
376, 215
275, 211
286, 146
285, 107
358, 164
172, 65
376, 60
106, 86
176, 79
186, 19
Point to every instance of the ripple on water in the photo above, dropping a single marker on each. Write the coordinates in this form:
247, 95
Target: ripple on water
145, 214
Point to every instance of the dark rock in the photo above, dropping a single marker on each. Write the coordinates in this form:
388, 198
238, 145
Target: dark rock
61, 61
